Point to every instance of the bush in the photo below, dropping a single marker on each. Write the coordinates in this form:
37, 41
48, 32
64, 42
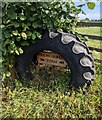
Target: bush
24, 23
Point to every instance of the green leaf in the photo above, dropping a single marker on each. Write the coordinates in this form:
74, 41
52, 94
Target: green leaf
7, 41
17, 52
13, 15
24, 36
67, 4
32, 8
86, 38
23, 25
44, 5
38, 34
91, 5
73, 8
22, 17
24, 43
35, 25
8, 74
18, 38
33, 41
33, 36
31, 18
20, 50
7, 34
12, 51
29, 34
16, 24
15, 32
45, 21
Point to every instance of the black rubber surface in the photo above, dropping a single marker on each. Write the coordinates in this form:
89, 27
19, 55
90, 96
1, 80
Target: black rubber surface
70, 47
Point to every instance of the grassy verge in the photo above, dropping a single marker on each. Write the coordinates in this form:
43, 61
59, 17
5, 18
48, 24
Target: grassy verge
97, 31
55, 100
90, 30
96, 44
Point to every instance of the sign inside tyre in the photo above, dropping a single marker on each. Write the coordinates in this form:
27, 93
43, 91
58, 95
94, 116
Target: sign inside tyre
51, 58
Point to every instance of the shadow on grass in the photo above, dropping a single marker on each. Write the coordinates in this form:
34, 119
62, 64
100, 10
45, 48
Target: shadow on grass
49, 78
45, 79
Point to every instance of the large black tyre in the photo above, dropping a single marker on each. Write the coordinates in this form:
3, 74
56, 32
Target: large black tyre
75, 53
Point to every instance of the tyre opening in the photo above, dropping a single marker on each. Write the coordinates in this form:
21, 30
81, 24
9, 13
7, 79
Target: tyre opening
50, 70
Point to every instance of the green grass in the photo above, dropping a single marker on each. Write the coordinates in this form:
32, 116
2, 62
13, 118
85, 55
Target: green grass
94, 43
97, 31
54, 100
34, 103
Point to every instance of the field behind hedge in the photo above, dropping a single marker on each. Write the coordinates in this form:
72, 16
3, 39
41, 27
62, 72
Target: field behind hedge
55, 100
96, 31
